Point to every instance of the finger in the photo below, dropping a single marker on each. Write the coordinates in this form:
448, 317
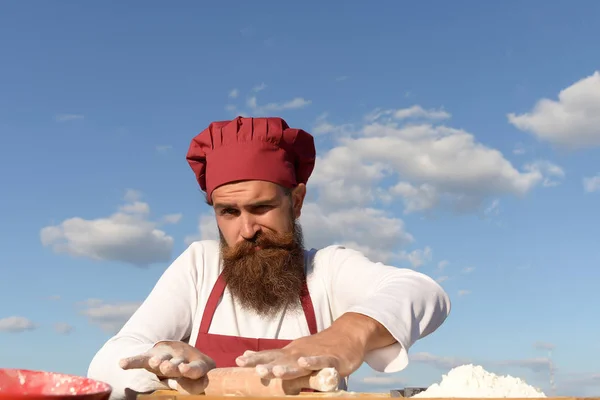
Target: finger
256, 358
194, 370
282, 371
169, 370
157, 359
177, 360
139, 361
192, 386
288, 371
326, 380
265, 371
315, 363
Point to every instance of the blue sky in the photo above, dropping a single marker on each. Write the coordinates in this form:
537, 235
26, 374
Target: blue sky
421, 164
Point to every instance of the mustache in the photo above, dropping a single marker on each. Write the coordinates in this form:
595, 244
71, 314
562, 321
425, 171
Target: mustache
270, 244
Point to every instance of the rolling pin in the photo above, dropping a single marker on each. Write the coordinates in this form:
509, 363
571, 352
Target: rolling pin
238, 381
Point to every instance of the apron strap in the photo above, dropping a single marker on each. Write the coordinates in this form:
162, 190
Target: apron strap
219, 288
309, 309
211, 304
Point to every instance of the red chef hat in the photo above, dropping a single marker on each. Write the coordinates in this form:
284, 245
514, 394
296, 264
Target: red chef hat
251, 149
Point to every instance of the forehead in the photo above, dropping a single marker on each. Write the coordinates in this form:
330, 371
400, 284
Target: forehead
241, 193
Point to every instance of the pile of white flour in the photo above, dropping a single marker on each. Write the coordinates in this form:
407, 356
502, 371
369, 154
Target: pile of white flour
474, 381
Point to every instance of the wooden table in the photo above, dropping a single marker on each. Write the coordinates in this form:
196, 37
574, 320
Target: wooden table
173, 395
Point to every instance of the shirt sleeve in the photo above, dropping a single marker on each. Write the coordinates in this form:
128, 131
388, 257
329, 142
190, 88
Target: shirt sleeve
166, 314
409, 304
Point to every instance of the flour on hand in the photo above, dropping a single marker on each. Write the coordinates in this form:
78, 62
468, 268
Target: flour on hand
474, 381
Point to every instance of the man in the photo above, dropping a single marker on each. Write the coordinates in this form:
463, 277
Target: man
257, 298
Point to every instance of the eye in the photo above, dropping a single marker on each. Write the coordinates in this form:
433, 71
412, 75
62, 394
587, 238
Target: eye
262, 209
228, 211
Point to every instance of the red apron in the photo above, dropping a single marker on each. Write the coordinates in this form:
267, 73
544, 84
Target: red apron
224, 349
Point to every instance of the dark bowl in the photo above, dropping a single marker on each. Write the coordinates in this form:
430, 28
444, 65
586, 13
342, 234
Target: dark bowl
24, 384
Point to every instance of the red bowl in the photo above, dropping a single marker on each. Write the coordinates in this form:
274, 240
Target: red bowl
23, 384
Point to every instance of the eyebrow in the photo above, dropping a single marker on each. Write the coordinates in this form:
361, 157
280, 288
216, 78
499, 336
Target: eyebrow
258, 203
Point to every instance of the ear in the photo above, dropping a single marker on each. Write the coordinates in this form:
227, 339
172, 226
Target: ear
298, 195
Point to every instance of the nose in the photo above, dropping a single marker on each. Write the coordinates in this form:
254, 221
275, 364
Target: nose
249, 227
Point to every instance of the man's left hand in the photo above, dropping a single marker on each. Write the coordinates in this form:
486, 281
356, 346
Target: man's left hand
305, 355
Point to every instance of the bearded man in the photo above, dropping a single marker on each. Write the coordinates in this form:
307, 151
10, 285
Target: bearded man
257, 298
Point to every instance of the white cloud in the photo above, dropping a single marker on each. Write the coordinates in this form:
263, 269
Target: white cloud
63, 328
91, 302
413, 112
572, 121
544, 346
463, 292
67, 117
136, 207
519, 149
493, 209
586, 385
419, 112
375, 232
207, 229
110, 317
252, 108
259, 88
171, 218
248, 31
591, 184
295, 103
383, 380
468, 270
548, 170
418, 198
163, 148
440, 269
132, 195
418, 257
322, 127
16, 324
234, 93
423, 165
444, 363
448, 362
128, 236
541, 364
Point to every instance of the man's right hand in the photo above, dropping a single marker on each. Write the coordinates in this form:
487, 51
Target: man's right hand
172, 359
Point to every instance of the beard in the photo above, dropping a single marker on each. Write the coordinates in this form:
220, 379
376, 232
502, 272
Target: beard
267, 279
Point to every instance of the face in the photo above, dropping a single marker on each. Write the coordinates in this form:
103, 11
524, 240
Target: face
261, 243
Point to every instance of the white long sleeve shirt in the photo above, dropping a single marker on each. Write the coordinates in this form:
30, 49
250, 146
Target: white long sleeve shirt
409, 304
